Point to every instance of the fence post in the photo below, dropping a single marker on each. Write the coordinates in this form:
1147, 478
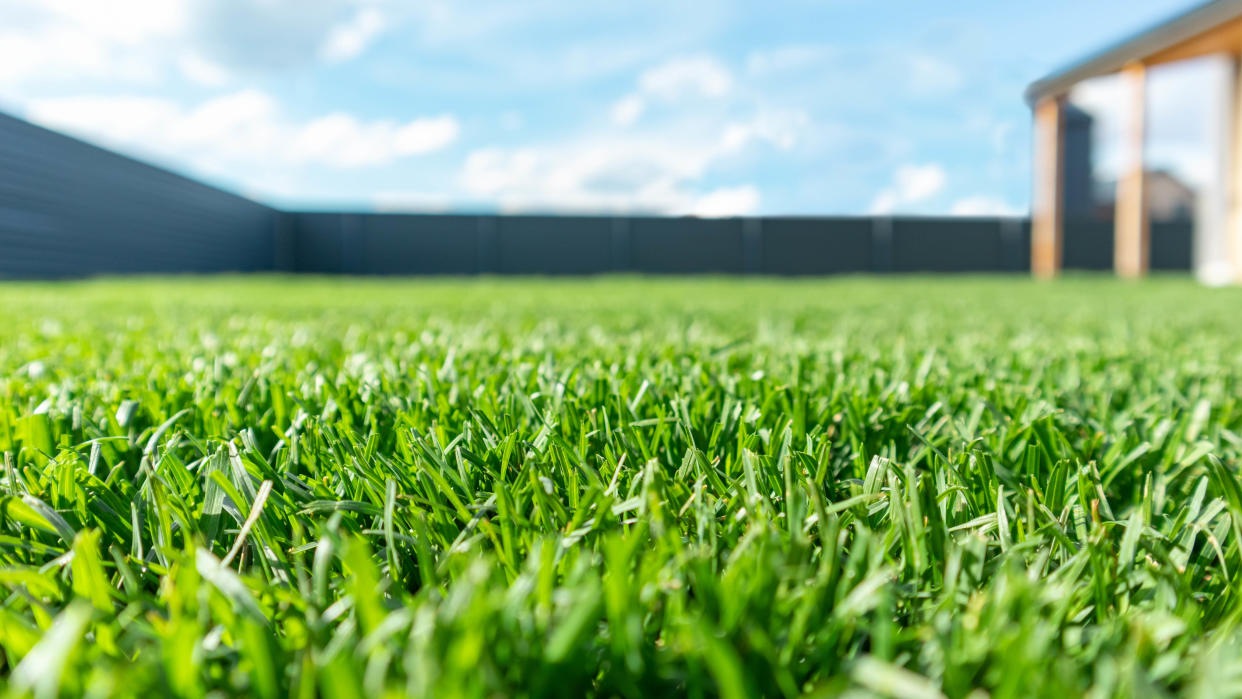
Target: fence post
881, 244
284, 242
620, 239
1011, 245
351, 244
752, 246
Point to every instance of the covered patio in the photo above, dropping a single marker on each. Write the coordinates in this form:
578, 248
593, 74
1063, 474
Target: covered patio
1211, 29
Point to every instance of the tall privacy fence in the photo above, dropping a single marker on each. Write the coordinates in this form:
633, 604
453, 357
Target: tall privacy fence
70, 209
454, 244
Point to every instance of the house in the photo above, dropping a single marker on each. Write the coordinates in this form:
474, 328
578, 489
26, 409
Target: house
1077, 173
1169, 199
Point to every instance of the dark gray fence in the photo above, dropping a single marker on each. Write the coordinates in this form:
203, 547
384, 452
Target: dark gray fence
68, 208
417, 244
1089, 245
557, 245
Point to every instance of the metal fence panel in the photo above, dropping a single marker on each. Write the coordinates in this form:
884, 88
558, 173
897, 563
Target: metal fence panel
812, 246
318, 243
1172, 246
948, 245
686, 246
1018, 256
68, 208
1088, 245
555, 245
420, 244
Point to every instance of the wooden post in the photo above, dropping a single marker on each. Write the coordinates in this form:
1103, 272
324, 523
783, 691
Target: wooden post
1216, 215
1132, 230
1232, 247
1048, 200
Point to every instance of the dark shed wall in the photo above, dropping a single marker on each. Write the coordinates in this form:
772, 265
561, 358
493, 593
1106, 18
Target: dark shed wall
1172, 246
68, 208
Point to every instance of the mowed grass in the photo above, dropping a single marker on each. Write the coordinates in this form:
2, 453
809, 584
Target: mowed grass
907, 487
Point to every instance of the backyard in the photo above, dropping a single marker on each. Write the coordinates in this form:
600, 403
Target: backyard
620, 486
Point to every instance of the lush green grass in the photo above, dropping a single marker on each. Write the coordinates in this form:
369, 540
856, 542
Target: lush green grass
291, 487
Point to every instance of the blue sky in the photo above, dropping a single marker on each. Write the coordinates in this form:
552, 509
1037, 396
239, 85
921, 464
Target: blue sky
722, 108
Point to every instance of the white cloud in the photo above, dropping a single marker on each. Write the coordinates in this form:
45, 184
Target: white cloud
932, 76
554, 44
343, 141
350, 39
202, 71
884, 203
983, 205
242, 128
628, 109
426, 135
656, 167
785, 58
918, 182
652, 173
685, 133
692, 76
587, 177
912, 184
413, 201
56, 52
920, 74
727, 201
251, 36
123, 21
780, 128
55, 42
44, 41
120, 119
511, 120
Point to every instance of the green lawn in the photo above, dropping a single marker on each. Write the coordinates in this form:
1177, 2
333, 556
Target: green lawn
915, 487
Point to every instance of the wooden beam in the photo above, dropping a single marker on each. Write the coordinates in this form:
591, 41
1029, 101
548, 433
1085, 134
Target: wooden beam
1048, 199
1132, 230
1222, 38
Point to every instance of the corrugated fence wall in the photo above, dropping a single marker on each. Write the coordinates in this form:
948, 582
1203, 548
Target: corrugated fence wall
412, 244
70, 209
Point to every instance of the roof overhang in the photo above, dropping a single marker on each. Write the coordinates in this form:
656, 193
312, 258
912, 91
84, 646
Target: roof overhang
1215, 27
